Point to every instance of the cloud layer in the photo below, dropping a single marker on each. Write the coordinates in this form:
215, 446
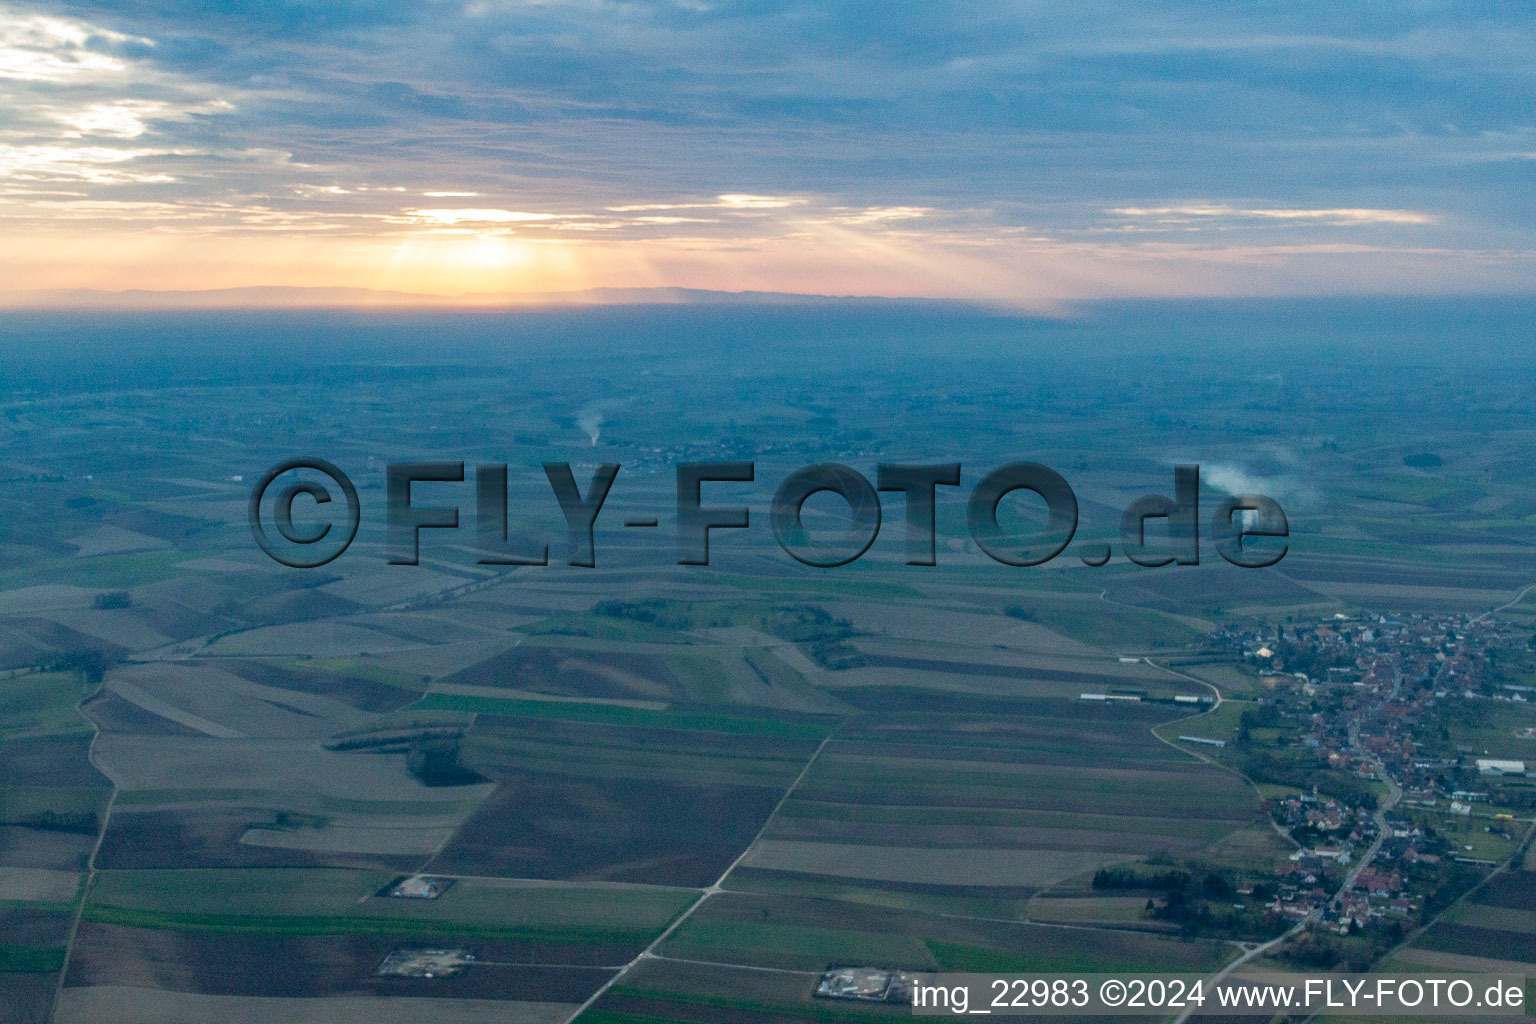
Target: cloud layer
1022, 151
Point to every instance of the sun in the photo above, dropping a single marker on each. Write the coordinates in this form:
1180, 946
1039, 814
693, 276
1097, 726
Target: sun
454, 261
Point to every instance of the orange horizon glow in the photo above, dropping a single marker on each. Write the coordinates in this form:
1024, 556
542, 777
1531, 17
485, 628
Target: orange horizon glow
409, 160
805, 255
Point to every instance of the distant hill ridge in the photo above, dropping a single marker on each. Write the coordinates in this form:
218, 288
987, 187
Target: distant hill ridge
283, 296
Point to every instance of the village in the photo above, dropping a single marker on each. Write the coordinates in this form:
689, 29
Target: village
1397, 736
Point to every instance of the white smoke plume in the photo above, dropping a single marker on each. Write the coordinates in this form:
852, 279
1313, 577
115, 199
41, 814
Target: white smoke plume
591, 419
1288, 486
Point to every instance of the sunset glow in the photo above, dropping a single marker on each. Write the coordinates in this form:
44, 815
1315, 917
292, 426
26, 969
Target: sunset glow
451, 158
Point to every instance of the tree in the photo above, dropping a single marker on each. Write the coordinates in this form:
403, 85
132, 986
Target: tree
435, 761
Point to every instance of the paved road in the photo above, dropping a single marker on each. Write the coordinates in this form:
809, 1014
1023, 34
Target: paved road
1258, 950
649, 952
1394, 794
1507, 604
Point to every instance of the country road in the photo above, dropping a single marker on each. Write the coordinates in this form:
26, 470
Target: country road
1394, 794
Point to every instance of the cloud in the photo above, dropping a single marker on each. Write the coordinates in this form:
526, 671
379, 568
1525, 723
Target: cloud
1336, 216
1347, 216
737, 201
95, 164
40, 48
881, 214
124, 119
475, 216
729, 201
1247, 147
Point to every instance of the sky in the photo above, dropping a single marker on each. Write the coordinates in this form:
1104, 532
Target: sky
1024, 153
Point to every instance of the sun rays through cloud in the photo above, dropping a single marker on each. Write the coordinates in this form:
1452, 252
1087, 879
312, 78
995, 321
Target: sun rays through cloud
1019, 156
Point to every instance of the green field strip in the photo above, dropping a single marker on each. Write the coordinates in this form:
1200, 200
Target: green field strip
251, 924
809, 948
1474, 940
1065, 752
293, 800
1219, 723
20, 804
820, 1012
941, 816
329, 899
1504, 919
770, 883
607, 714
38, 906
30, 959
820, 588
354, 667
587, 626
612, 1017
105, 572
41, 704
1164, 956
793, 946
1197, 792
545, 744
666, 767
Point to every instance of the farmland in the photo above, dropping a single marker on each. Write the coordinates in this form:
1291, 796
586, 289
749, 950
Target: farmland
1494, 929
262, 802
881, 762
803, 934
51, 803
347, 898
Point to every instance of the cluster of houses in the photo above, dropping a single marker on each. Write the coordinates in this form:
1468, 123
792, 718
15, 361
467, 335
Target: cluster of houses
1381, 890
1361, 690
1382, 676
1379, 653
